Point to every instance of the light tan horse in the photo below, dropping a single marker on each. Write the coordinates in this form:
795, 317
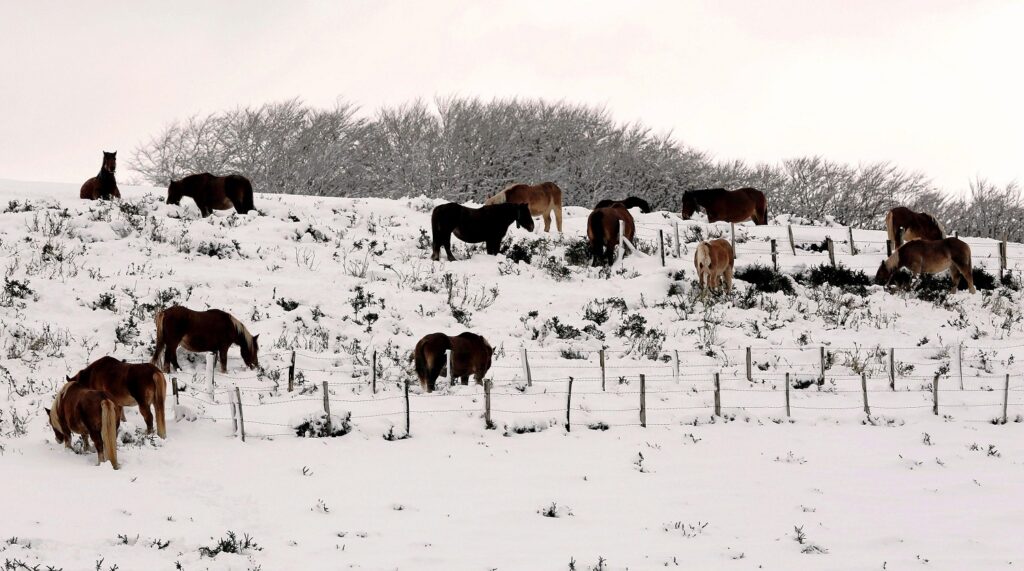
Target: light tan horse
603, 232
714, 261
129, 384
542, 199
78, 410
930, 257
915, 225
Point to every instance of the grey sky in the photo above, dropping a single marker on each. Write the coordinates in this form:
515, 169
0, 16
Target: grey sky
931, 85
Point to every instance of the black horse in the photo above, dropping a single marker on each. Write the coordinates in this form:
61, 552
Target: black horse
631, 202
485, 224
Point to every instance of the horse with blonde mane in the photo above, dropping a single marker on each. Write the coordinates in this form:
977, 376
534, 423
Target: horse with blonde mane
930, 257
89, 413
542, 199
914, 226
714, 261
128, 384
202, 332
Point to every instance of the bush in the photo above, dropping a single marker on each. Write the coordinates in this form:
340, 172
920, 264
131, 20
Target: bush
577, 253
643, 340
851, 281
230, 544
557, 270
765, 279
562, 330
315, 426
935, 287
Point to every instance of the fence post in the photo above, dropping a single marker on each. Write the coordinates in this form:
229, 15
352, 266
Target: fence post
792, 243
234, 413
661, 246
960, 363
568, 407
448, 367
821, 360
241, 416
787, 396
643, 401
601, 354
526, 366
775, 255
327, 407
1002, 257
831, 250
750, 368
620, 248
373, 372
732, 238
675, 227
211, 366
291, 373
935, 395
864, 390
174, 390
407, 407
718, 395
853, 247
487, 403
675, 365
888, 248
892, 369
1006, 396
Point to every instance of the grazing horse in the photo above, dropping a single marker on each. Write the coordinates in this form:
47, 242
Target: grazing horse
727, 205
630, 202
103, 185
201, 332
213, 192
90, 413
542, 199
603, 231
915, 225
128, 384
471, 355
485, 224
930, 257
714, 260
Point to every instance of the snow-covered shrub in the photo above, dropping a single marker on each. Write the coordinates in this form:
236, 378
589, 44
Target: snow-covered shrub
577, 252
315, 426
765, 279
230, 544
644, 340
852, 281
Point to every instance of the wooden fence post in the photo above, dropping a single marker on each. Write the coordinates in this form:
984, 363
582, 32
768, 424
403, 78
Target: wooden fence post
373, 372
787, 396
327, 407
864, 390
892, 369
831, 250
935, 395
792, 243
487, 403
620, 249
675, 227
718, 395
601, 355
960, 363
291, 373
174, 390
211, 366
732, 238
675, 365
661, 246
568, 407
775, 255
241, 416
853, 246
407, 407
643, 401
1002, 258
234, 413
1006, 396
821, 361
448, 366
888, 248
750, 367
526, 366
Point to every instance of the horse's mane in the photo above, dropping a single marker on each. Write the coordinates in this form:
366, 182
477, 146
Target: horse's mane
243, 337
935, 221
703, 192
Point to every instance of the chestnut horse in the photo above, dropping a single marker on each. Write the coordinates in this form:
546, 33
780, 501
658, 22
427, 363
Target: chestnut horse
542, 199
201, 332
630, 202
90, 413
213, 192
603, 231
727, 205
714, 260
128, 384
930, 257
915, 225
471, 355
103, 185
485, 224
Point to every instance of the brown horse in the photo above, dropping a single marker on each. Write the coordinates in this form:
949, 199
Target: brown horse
714, 260
930, 257
103, 185
629, 202
201, 332
471, 355
603, 231
727, 205
915, 226
128, 384
90, 413
485, 224
213, 192
542, 199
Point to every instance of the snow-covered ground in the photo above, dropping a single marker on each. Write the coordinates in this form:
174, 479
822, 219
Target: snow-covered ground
334, 281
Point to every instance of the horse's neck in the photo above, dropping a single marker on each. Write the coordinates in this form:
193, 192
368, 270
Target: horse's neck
105, 175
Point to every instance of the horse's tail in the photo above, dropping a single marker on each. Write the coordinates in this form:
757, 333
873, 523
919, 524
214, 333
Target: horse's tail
596, 231
556, 203
159, 394
108, 430
762, 210
247, 200
702, 259
158, 319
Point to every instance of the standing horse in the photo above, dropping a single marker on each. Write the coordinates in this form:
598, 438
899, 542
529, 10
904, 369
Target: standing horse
727, 205
471, 355
103, 185
128, 384
603, 231
201, 332
78, 410
630, 202
714, 260
541, 198
485, 224
930, 257
213, 192
915, 226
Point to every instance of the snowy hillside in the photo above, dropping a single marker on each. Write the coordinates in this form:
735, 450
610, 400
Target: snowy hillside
345, 288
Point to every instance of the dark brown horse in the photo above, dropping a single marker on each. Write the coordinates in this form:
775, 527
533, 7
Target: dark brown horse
727, 205
103, 185
485, 224
213, 192
202, 332
915, 226
930, 257
128, 384
92, 414
714, 260
542, 199
603, 231
631, 202
471, 355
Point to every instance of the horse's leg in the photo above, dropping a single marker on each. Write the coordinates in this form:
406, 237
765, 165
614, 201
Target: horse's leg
97, 438
547, 220
139, 395
448, 247
558, 214
954, 276
85, 442
171, 356
465, 379
223, 356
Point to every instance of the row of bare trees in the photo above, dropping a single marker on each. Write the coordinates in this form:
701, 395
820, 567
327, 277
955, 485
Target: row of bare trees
465, 149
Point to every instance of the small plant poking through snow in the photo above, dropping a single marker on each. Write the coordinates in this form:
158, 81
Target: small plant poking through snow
687, 530
807, 548
554, 510
230, 543
315, 426
791, 458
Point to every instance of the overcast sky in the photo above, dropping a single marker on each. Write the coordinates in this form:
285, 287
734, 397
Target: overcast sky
935, 85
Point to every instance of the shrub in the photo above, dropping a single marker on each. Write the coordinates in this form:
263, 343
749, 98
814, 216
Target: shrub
315, 426
645, 340
765, 279
107, 301
936, 287
562, 330
577, 252
556, 269
230, 544
852, 281
287, 304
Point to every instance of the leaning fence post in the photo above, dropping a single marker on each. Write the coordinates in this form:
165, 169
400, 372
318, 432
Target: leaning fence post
821, 361
568, 406
792, 243
675, 227
601, 356
935, 395
892, 369
661, 246
526, 366
174, 390
487, 403
211, 362
750, 368
643, 401
373, 372
732, 238
787, 396
448, 366
291, 373
675, 365
853, 247
718, 395
1006, 396
241, 416
960, 363
775, 255
864, 390
831, 250
327, 408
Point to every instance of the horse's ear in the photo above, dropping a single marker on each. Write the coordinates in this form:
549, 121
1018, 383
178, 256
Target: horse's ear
255, 337
47, 411
67, 378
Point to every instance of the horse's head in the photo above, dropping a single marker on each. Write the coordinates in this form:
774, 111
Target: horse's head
110, 161
884, 275
250, 352
55, 423
175, 191
689, 205
523, 217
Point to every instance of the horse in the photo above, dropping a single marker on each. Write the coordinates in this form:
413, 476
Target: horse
90, 413
200, 332
128, 384
603, 231
471, 355
915, 225
714, 260
485, 224
727, 205
213, 192
104, 185
931, 257
541, 198
630, 202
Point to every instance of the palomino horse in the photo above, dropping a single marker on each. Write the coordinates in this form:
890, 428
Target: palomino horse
128, 384
603, 231
78, 410
103, 185
930, 257
714, 260
727, 205
201, 332
630, 202
213, 192
542, 199
915, 225
485, 224
471, 355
